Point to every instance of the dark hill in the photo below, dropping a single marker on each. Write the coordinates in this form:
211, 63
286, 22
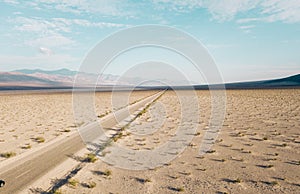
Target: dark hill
288, 82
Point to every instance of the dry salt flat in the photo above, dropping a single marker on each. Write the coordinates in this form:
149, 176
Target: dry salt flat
257, 150
29, 120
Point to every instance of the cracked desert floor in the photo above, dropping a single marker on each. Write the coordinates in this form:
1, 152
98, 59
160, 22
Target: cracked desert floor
257, 149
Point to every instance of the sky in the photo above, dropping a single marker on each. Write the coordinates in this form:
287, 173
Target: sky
248, 39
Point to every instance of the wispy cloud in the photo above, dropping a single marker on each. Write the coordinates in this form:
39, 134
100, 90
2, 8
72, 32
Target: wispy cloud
224, 10
247, 20
246, 28
11, 2
17, 13
103, 7
38, 25
52, 41
46, 51
87, 23
42, 33
278, 10
57, 24
55, 32
221, 10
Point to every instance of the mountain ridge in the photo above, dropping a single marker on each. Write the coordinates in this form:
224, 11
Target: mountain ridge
63, 71
64, 78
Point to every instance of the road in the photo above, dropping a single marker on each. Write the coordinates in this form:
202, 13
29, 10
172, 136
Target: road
30, 168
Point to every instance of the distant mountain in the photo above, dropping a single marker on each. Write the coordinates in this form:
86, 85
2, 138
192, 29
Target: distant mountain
21, 78
64, 72
58, 78
287, 82
64, 78
291, 81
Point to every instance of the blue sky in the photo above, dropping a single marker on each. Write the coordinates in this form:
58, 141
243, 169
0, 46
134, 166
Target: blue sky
249, 39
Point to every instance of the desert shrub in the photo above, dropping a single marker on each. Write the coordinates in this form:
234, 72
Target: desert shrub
238, 180
90, 157
180, 189
284, 145
8, 154
107, 172
91, 184
40, 139
147, 180
211, 151
27, 146
73, 182
58, 192
274, 183
117, 136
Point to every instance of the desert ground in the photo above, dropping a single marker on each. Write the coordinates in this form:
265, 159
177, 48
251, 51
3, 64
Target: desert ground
257, 149
28, 120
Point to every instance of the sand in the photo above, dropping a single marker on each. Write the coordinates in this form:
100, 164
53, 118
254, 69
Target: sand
28, 120
257, 150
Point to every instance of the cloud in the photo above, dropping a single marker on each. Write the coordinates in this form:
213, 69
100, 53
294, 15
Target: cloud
43, 33
87, 23
246, 28
50, 41
45, 51
103, 7
54, 32
17, 13
177, 5
278, 10
247, 20
225, 10
58, 25
11, 2
38, 25
221, 10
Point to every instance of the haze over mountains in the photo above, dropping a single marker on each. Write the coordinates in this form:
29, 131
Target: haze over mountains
56, 78
64, 78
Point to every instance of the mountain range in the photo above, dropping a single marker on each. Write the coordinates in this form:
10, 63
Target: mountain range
64, 78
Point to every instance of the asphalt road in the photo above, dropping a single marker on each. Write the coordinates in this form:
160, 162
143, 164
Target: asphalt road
25, 171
